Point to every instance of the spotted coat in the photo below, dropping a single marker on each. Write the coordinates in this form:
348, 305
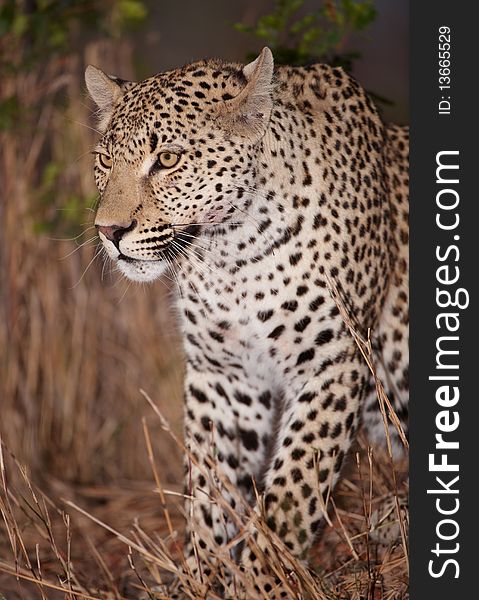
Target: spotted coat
257, 191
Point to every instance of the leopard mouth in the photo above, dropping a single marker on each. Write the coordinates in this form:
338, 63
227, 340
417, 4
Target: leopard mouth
127, 259
181, 238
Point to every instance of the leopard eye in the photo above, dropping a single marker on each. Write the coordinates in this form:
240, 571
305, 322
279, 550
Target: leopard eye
168, 159
105, 160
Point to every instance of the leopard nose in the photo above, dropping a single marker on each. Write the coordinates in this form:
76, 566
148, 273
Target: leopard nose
115, 233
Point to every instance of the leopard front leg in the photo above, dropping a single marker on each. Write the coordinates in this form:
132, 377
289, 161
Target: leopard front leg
227, 421
317, 426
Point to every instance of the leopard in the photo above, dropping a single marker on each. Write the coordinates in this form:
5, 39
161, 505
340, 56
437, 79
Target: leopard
275, 198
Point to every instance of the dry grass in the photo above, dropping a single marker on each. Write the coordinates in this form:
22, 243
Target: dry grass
99, 542
96, 512
77, 344
95, 542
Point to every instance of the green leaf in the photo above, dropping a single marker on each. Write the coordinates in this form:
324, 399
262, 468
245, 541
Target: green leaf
50, 173
243, 28
19, 25
132, 11
313, 35
57, 37
270, 22
301, 24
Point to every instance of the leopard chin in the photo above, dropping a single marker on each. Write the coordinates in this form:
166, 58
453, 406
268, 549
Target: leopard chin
141, 271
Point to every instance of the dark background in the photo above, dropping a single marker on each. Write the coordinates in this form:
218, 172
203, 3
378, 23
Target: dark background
178, 33
431, 133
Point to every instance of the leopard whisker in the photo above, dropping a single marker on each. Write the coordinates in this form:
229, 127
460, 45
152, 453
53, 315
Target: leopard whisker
201, 265
106, 260
95, 256
202, 223
199, 262
79, 247
191, 285
256, 223
84, 125
171, 268
72, 239
129, 282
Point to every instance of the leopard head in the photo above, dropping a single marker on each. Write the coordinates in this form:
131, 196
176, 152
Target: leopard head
178, 154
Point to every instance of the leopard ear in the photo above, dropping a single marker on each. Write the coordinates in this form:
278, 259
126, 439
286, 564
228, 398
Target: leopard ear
248, 113
105, 91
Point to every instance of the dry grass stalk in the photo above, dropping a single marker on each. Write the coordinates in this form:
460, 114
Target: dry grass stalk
387, 410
